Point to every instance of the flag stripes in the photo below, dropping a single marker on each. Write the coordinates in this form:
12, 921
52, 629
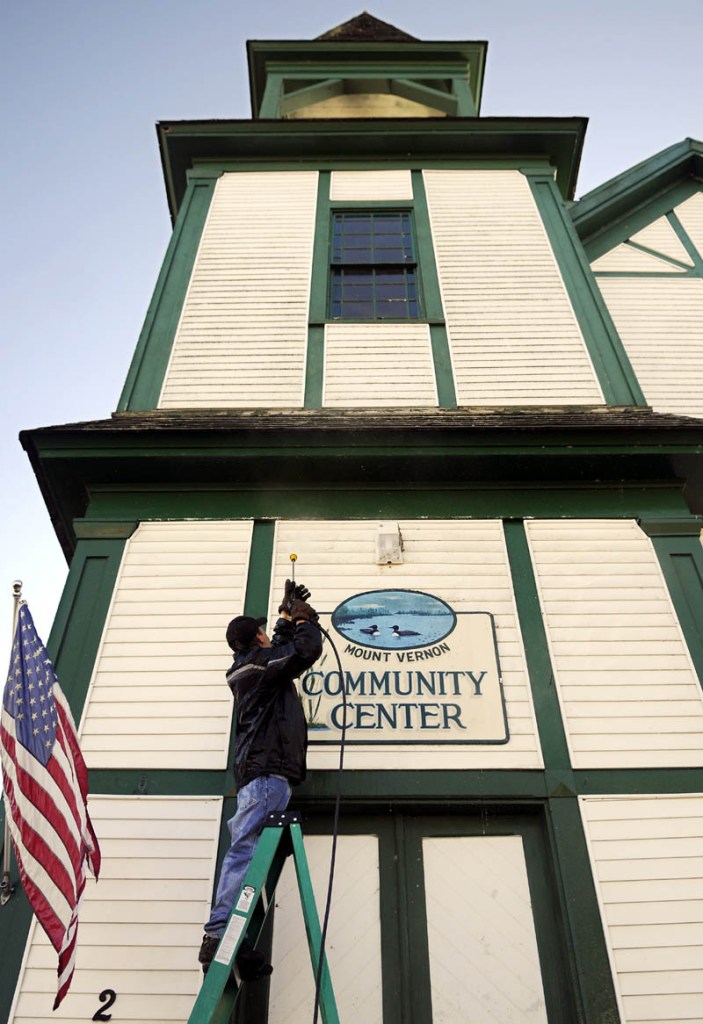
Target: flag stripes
46, 790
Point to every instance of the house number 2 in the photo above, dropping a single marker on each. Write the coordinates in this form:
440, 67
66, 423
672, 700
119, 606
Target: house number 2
108, 997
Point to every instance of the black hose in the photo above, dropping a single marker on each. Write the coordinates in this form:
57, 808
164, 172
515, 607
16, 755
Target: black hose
335, 827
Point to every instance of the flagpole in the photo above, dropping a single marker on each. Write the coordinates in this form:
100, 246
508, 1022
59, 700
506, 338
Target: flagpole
6, 889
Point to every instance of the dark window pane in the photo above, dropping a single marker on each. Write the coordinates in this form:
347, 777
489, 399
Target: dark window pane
358, 226
358, 310
357, 256
389, 256
363, 292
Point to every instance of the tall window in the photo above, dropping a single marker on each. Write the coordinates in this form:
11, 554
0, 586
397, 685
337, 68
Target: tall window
373, 267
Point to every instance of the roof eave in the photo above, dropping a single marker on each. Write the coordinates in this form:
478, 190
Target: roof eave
183, 144
617, 198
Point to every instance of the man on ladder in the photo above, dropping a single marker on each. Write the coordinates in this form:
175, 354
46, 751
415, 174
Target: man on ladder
270, 747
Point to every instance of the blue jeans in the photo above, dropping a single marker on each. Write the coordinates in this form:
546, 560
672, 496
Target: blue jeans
255, 801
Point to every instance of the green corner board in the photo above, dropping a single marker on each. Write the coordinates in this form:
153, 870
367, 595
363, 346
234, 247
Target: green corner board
613, 368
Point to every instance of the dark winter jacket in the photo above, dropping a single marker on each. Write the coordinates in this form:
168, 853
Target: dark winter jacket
271, 733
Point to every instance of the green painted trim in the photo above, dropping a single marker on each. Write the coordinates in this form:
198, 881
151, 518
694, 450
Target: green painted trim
579, 904
429, 278
550, 725
690, 271
148, 369
442, 360
369, 791
613, 369
620, 781
408, 834
466, 105
207, 169
368, 69
256, 601
629, 223
687, 242
86, 529
657, 274
314, 367
292, 100
557, 961
80, 619
357, 500
425, 94
272, 96
160, 781
681, 559
691, 526
320, 258
441, 351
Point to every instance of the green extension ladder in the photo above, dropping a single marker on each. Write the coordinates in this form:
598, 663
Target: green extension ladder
221, 985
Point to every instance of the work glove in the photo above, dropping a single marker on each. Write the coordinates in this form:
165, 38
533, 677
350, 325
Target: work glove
288, 597
302, 592
301, 611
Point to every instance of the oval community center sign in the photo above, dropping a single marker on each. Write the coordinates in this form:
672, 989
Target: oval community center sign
413, 671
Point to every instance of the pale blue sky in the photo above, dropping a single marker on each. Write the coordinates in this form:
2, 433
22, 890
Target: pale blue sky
85, 216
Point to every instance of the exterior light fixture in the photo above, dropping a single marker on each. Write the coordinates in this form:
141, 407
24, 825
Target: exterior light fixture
389, 544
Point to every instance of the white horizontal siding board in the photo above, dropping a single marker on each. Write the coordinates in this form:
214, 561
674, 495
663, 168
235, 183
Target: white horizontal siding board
660, 322
460, 561
248, 298
141, 925
690, 213
651, 912
614, 686
353, 941
625, 258
158, 697
378, 365
371, 186
484, 964
513, 335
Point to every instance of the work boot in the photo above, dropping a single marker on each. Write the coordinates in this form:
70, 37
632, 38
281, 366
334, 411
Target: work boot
252, 965
208, 949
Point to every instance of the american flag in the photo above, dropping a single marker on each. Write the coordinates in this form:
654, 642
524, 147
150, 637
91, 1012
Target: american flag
46, 788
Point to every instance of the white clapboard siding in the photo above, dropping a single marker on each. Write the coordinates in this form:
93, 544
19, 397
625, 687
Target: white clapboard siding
158, 698
660, 322
242, 336
513, 335
647, 858
628, 692
370, 186
690, 213
625, 259
141, 924
385, 364
462, 562
660, 236
353, 939
484, 964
